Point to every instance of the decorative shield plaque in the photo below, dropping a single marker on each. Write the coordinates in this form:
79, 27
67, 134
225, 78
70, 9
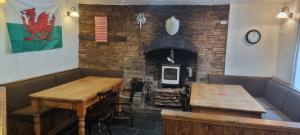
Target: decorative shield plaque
172, 25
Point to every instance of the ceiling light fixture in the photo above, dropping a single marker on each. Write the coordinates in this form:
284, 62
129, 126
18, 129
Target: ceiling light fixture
72, 12
285, 13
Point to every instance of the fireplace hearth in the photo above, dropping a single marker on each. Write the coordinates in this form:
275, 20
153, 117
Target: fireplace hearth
186, 60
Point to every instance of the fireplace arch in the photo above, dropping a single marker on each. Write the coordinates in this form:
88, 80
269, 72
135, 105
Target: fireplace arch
165, 41
155, 59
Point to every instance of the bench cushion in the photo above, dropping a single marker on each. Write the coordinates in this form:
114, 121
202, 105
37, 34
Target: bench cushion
27, 111
275, 115
291, 106
52, 122
102, 73
265, 103
254, 85
67, 76
18, 92
276, 93
272, 112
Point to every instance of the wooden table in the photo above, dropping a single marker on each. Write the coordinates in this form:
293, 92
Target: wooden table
2, 111
77, 95
225, 100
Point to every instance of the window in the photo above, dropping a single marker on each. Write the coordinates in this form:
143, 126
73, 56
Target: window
297, 65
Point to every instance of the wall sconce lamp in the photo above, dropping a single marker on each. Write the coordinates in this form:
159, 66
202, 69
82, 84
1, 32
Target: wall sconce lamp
2, 1
72, 12
285, 13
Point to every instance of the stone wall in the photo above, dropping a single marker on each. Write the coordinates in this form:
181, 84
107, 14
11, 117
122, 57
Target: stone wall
200, 25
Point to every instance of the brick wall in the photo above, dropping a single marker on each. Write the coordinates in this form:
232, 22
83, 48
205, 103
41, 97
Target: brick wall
200, 24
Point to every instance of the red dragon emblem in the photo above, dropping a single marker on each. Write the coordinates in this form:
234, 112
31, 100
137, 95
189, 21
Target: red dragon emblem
41, 27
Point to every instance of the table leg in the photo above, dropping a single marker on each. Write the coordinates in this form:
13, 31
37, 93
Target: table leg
36, 117
81, 111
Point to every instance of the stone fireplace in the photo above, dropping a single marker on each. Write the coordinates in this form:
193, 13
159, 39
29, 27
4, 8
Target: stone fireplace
155, 60
160, 48
200, 43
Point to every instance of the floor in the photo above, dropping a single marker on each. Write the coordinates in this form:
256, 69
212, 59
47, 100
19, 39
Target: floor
145, 123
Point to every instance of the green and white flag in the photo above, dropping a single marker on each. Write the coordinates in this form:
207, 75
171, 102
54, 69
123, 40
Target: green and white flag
34, 25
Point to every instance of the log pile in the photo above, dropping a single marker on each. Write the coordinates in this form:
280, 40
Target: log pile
167, 97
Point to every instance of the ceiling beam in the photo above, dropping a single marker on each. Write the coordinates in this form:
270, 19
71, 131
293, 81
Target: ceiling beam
156, 2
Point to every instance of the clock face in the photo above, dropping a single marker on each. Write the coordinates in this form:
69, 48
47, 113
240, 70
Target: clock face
253, 36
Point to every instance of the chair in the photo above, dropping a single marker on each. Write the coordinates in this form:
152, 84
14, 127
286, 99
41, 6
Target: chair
128, 114
185, 98
102, 112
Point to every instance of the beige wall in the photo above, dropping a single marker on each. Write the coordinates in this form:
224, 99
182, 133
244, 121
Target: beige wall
20, 66
287, 44
241, 57
273, 55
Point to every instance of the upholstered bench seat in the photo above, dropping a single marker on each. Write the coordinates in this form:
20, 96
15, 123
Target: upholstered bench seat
272, 112
291, 106
27, 111
275, 115
279, 99
265, 103
52, 121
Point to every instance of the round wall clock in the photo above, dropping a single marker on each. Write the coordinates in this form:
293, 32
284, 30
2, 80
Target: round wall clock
253, 36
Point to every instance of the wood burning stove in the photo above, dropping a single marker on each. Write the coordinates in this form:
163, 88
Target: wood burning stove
170, 74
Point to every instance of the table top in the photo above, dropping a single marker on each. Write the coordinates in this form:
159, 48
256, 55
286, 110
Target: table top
78, 90
219, 96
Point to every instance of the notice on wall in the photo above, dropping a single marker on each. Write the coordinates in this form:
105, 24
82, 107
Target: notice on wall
101, 28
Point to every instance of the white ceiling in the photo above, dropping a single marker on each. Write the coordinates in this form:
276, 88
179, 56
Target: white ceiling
156, 2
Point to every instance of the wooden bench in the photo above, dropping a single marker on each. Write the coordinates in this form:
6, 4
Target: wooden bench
189, 123
2, 111
19, 112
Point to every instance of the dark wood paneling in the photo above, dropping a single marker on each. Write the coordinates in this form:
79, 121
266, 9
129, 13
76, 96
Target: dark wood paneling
187, 123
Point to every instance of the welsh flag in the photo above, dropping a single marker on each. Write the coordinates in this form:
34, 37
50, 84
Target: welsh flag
34, 25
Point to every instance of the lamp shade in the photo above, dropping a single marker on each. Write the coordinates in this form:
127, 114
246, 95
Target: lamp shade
282, 15
74, 14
